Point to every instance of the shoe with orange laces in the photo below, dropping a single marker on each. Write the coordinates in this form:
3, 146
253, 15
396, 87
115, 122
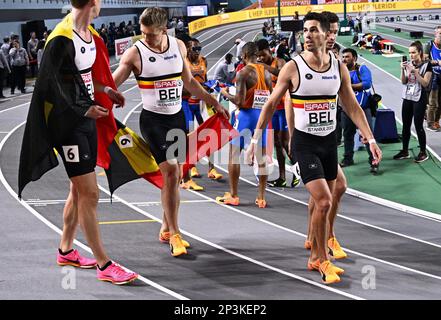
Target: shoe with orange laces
164, 237
191, 185
308, 244
335, 250
328, 273
228, 199
214, 175
316, 266
261, 203
177, 247
194, 173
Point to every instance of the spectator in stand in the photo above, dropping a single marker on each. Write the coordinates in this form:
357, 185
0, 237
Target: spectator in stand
225, 71
6, 46
351, 23
180, 26
265, 30
32, 53
104, 36
282, 50
415, 77
4, 70
40, 50
433, 53
130, 29
19, 61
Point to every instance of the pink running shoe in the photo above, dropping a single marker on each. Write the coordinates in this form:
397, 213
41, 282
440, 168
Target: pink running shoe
74, 259
116, 274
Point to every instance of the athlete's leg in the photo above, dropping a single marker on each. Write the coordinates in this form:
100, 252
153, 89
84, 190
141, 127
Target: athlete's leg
321, 192
263, 175
88, 195
310, 211
70, 219
170, 195
234, 169
339, 191
278, 144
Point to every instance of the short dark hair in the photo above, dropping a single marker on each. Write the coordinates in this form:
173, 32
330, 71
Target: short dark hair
262, 44
351, 51
336, 46
250, 49
331, 16
78, 4
324, 22
419, 46
6, 39
228, 56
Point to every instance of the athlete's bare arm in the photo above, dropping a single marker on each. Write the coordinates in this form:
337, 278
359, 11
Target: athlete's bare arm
268, 81
275, 71
195, 87
116, 96
130, 61
289, 111
355, 113
241, 89
288, 77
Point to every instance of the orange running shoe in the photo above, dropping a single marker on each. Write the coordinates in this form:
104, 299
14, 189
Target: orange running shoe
176, 246
261, 203
164, 237
328, 273
228, 199
335, 250
191, 185
194, 173
214, 175
316, 266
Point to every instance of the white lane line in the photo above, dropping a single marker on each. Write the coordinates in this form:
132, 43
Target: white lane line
12, 108
304, 236
154, 203
59, 231
241, 256
228, 39
340, 215
219, 61
225, 30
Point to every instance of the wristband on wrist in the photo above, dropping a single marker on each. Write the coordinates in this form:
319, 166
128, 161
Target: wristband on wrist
107, 90
372, 141
254, 141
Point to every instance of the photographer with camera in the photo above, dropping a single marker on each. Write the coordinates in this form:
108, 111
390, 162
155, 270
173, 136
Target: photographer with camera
361, 81
415, 76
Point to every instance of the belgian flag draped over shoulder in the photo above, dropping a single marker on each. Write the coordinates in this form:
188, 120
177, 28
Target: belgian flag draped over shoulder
58, 104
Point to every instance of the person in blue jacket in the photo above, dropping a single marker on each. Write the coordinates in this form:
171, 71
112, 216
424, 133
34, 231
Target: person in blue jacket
361, 80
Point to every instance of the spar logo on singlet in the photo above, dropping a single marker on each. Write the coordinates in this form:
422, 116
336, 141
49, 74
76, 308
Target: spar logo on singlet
168, 92
321, 115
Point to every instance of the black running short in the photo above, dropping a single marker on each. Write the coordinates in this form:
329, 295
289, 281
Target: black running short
317, 156
79, 150
155, 127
